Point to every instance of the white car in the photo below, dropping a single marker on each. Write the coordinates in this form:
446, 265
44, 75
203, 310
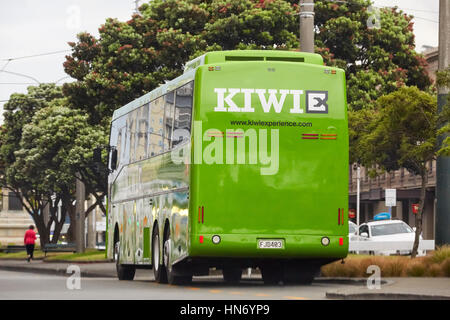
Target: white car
388, 230
351, 229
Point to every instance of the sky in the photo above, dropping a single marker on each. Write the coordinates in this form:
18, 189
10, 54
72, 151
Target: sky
30, 27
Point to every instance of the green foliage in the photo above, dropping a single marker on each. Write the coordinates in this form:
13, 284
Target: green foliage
43, 143
443, 80
132, 58
402, 132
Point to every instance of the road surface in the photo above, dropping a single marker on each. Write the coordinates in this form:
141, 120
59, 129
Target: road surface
30, 286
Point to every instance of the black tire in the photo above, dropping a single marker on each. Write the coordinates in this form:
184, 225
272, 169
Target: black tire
158, 269
232, 275
272, 274
124, 272
172, 273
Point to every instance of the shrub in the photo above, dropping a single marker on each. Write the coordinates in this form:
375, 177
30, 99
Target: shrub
440, 254
337, 269
395, 267
445, 267
433, 270
416, 269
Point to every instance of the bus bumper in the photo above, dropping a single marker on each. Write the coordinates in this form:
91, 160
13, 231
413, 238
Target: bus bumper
247, 246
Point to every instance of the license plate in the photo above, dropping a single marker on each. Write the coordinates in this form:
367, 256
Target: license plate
270, 244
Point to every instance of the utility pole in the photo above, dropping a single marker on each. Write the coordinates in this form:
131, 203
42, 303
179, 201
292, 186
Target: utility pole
442, 221
91, 226
79, 213
307, 26
136, 9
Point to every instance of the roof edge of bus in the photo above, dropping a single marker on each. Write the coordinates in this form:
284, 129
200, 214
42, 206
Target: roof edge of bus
155, 93
254, 55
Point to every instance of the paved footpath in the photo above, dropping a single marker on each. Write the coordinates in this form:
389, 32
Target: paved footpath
98, 269
391, 288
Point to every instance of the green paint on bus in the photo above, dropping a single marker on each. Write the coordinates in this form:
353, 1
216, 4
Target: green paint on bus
249, 146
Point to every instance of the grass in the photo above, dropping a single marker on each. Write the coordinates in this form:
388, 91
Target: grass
89, 256
435, 264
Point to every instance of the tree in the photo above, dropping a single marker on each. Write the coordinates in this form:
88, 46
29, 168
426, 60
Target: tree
443, 79
43, 145
132, 58
402, 133
19, 111
57, 144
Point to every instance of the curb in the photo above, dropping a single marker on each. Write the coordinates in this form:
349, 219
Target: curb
351, 281
76, 262
384, 296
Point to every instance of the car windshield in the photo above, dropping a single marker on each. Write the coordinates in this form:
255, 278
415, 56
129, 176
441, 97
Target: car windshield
391, 228
351, 228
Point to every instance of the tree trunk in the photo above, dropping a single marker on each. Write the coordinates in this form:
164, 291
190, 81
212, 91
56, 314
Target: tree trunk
419, 215
71, 231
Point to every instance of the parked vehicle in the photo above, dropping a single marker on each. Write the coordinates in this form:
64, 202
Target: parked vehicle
388, 230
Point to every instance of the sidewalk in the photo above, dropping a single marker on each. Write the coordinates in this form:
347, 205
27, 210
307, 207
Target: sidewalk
391, 288
98, 270
411, 288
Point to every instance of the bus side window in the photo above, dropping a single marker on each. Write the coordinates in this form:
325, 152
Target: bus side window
119, 147
142, 137
118, 138
169, 107
155, 141
132, 126
115, 138
183, 112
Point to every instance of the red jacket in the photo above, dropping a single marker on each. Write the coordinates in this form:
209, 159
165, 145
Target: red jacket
30, 237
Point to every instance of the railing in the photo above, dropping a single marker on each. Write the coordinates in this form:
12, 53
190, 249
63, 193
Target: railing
373, 245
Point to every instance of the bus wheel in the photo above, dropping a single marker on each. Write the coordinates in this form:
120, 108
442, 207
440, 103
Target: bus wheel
232, 275
172, 275
158, 269
124, 272
271, 274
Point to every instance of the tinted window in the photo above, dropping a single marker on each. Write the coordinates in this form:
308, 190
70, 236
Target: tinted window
391, 228
142, 132
14, 202
351, 228
363, 228
117, 137
155, 142
183, 113
132, 129
169, 107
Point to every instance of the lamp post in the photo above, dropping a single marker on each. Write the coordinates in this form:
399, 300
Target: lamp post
307, 25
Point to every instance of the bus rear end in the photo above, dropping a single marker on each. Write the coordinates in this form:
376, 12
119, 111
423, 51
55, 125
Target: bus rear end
269, 173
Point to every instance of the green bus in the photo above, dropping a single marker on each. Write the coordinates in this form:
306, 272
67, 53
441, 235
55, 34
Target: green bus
240, 162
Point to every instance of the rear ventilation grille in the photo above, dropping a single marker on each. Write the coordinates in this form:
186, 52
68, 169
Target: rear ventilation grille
286, 59
243, 58
238, 58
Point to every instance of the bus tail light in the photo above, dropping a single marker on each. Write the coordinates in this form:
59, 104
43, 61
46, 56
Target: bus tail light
201, 239
341, 216
201, 214
341, 241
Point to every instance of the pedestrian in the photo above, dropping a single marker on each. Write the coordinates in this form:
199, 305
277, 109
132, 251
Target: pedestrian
29, 239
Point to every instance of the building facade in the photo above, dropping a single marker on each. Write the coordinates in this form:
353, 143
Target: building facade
372, 196
14, 220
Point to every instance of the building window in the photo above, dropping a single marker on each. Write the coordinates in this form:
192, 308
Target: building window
14, 202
